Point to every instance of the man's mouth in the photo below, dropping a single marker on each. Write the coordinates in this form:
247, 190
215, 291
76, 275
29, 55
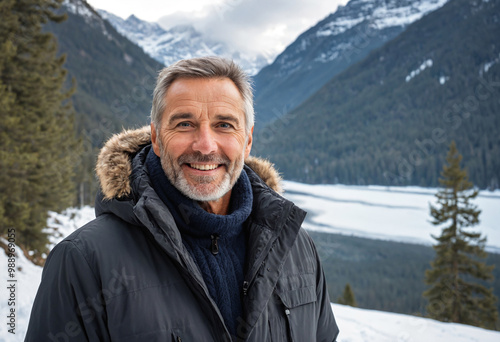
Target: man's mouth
204, 167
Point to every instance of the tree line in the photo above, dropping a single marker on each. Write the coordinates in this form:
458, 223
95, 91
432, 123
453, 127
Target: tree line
39, 151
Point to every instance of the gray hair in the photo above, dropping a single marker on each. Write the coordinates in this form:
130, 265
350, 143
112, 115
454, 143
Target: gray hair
204, 67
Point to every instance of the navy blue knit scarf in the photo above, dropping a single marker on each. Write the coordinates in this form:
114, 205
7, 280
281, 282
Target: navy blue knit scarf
216, 242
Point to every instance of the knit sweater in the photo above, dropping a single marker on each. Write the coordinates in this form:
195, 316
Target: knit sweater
217, 243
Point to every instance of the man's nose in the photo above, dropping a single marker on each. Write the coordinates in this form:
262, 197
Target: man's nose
205, 141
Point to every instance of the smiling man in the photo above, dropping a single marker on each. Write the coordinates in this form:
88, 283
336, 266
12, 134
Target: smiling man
192, 241
203, 141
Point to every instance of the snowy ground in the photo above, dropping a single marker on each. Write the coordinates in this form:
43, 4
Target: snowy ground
389, 213
396, 214
361, 325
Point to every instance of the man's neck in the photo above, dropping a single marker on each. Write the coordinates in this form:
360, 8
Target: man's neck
219, 206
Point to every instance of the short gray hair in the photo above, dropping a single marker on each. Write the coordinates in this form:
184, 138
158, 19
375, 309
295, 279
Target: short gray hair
203, 67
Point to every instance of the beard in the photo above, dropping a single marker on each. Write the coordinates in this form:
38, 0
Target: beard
201, 188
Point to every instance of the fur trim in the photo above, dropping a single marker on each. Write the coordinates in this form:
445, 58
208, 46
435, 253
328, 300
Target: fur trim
113, 164
265, 169
114, 168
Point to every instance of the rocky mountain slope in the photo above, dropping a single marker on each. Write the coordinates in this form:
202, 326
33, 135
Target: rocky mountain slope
332, 45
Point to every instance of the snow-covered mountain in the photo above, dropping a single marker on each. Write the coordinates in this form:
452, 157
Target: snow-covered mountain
179, 42
91, 17
341, 39
361, 17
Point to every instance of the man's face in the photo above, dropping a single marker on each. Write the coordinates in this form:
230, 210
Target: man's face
202, 142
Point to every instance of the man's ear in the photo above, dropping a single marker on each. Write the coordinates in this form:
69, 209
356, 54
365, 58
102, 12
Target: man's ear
248, 148
154, 141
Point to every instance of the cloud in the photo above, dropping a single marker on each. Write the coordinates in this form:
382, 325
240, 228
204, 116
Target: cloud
255, 26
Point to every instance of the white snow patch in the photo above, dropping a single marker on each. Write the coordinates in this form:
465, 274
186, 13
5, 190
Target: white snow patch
487, 66
78, 8
28, 275
443, 79
427, 64
361, 325
27, 278
61, 225
338, 26
82, 9
386, 14
387, 213
389, 15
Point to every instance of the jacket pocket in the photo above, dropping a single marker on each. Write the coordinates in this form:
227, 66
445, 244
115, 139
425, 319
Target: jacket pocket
298, 297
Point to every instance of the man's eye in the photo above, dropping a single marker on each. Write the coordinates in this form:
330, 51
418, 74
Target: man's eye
184, 124
225, 125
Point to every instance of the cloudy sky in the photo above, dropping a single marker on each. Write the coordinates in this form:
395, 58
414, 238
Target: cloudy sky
250, 26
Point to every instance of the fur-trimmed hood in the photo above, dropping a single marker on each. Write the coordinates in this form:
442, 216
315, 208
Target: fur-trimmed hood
114, 164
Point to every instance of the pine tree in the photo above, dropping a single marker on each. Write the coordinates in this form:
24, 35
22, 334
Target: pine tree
38, 148
457, 292
347, 297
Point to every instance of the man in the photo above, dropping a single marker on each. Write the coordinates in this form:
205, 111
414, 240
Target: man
189, 243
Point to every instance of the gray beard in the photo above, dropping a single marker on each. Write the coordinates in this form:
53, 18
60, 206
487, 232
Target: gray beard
205, 190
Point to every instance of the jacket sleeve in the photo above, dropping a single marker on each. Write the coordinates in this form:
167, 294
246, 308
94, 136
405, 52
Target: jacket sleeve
327, 330
69, 302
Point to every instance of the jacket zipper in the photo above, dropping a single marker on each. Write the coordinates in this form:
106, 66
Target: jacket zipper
287, 314
215, 244
196, 286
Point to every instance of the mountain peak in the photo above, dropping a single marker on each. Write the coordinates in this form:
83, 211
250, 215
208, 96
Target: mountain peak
178, 42
88, 13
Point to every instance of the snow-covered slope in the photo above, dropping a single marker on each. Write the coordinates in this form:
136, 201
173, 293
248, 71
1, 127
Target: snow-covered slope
361, 325
179, 42
389, 213
376, 14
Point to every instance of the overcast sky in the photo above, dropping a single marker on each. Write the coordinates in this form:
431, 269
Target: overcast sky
250, 26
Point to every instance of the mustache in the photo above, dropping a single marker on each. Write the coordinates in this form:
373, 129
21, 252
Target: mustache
198, 157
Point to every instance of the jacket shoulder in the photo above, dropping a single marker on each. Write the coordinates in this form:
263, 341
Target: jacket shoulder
107, 238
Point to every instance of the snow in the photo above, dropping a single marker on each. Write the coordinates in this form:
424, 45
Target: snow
443, 79
61, 225
389, 15
427, 64
361, 325
358, 210
83, 9
179, 42
389, 213
78, 8
27, 276
380, 14
487, 66
338, 26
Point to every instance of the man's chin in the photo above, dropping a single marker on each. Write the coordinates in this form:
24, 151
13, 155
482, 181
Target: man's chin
204, 192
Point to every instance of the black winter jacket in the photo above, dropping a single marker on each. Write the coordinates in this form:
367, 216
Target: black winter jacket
126, 276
